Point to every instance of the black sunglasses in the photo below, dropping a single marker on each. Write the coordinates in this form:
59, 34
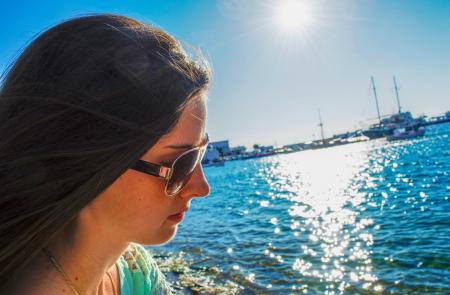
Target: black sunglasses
181, 171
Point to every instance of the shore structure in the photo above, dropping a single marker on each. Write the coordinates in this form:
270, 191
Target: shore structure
398, 126
214, 157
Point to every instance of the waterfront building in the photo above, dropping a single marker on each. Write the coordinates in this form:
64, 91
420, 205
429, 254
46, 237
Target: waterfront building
238, 150
266, 149
222, 147
211, 156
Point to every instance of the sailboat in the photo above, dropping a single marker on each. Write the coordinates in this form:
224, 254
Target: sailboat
399, 121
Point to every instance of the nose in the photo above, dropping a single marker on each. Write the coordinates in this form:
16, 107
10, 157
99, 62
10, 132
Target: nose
197, 186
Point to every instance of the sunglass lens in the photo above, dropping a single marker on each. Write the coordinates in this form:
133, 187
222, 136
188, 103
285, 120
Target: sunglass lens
182, 171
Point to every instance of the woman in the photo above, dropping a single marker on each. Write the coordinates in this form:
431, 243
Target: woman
102, 128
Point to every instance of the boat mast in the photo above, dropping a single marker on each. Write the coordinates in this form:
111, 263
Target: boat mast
396, 95
376, 98
321, 126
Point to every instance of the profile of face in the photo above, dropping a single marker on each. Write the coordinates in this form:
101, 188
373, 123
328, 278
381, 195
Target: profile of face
135, 208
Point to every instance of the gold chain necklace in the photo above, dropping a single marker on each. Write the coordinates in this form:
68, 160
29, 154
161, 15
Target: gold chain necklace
61, 271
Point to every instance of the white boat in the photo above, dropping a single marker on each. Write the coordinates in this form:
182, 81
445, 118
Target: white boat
406, 133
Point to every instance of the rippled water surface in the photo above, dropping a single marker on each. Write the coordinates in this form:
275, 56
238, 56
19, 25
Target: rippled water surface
370, 217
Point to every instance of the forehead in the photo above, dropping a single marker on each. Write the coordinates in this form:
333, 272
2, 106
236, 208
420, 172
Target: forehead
191, 125
189, 130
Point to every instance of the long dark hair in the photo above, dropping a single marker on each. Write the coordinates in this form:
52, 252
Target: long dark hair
82, 103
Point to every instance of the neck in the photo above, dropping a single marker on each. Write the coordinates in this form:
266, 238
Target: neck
85, 253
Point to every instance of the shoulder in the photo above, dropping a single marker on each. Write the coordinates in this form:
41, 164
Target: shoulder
140, 274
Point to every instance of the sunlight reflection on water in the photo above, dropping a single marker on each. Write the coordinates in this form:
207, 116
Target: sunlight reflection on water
318, 183
365, 218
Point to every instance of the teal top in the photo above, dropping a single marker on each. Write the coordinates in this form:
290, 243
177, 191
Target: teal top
139, 273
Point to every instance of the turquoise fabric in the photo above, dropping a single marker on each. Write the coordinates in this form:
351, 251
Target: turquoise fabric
139, 273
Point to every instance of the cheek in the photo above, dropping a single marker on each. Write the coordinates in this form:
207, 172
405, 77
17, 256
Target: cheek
144, 203
135, 208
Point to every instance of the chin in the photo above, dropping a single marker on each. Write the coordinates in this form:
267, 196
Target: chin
162, 237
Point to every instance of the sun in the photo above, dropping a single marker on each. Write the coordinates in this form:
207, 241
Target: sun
294, 15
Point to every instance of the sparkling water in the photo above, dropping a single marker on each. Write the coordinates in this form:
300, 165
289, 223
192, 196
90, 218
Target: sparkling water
363, 218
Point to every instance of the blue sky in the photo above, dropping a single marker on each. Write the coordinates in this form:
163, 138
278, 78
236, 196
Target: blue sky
268, 83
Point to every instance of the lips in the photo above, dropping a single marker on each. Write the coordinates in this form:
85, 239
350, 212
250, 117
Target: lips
177, 217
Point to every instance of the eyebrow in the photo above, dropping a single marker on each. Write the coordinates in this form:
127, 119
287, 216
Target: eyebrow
186, 146
181, 146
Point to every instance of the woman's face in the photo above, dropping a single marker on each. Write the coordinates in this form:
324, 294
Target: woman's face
136, 207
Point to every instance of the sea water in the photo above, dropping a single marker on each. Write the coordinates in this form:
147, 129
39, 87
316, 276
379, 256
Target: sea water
364, 218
